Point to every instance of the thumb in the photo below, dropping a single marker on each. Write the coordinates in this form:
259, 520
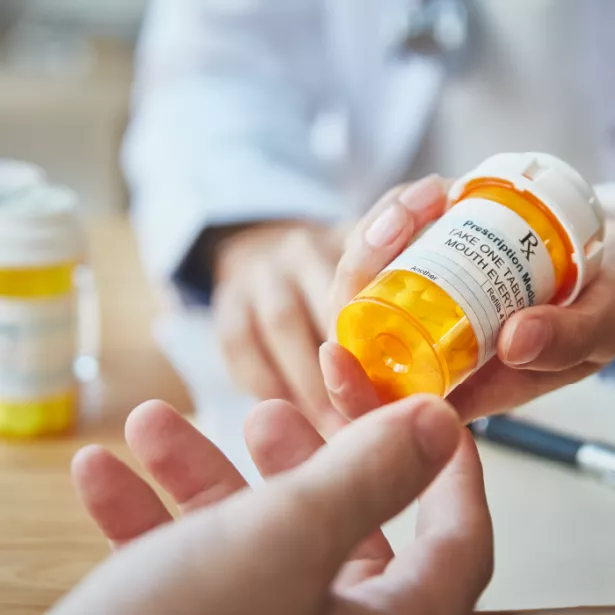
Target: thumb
369, 472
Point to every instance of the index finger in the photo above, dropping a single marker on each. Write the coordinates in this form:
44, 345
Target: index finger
280, 438
384, 233
368, 473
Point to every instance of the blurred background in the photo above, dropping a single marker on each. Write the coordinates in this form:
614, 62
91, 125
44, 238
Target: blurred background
65, 74
516, 75
66, 70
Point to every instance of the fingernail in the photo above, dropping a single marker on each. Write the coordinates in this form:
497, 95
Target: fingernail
437, 429
332, 376
527, 341
387, 227
423, 193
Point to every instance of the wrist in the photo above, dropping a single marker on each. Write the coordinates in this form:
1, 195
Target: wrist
232, 246
218, 244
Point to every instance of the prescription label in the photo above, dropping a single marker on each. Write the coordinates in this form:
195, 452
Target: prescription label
489, 260
37, 346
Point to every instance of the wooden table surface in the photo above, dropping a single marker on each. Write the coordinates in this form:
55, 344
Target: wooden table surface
47, 543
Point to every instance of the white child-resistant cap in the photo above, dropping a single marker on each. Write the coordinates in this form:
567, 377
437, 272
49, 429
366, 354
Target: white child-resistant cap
40, 227
562, 189
606, 196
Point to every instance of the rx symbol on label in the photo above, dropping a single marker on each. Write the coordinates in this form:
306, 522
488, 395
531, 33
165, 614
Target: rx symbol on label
529, 242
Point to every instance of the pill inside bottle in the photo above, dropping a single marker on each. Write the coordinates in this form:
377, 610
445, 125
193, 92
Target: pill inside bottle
521, 230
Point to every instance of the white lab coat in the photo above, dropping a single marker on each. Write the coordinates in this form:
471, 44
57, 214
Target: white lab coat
228, 93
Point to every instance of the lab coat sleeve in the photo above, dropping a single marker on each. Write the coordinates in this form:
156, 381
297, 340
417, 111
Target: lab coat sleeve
225, 95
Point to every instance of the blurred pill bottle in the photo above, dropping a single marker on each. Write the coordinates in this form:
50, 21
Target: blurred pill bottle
44, 304
521, 230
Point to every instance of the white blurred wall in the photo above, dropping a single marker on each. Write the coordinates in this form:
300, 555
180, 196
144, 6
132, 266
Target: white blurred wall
65, 72
533, 87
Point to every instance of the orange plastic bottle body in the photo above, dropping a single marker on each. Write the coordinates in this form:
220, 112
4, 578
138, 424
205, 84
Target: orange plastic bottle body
38, 394
412, 336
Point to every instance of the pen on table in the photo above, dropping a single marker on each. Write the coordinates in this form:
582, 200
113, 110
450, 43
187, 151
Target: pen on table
587, 456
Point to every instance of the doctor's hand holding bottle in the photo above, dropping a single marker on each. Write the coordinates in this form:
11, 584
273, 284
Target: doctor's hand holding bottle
271, 297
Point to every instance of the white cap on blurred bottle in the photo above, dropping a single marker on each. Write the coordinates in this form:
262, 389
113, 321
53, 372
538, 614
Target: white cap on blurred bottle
39, 222
16, 176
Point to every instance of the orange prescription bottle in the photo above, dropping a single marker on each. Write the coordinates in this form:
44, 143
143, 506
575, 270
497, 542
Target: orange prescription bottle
41, 244
521, 230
